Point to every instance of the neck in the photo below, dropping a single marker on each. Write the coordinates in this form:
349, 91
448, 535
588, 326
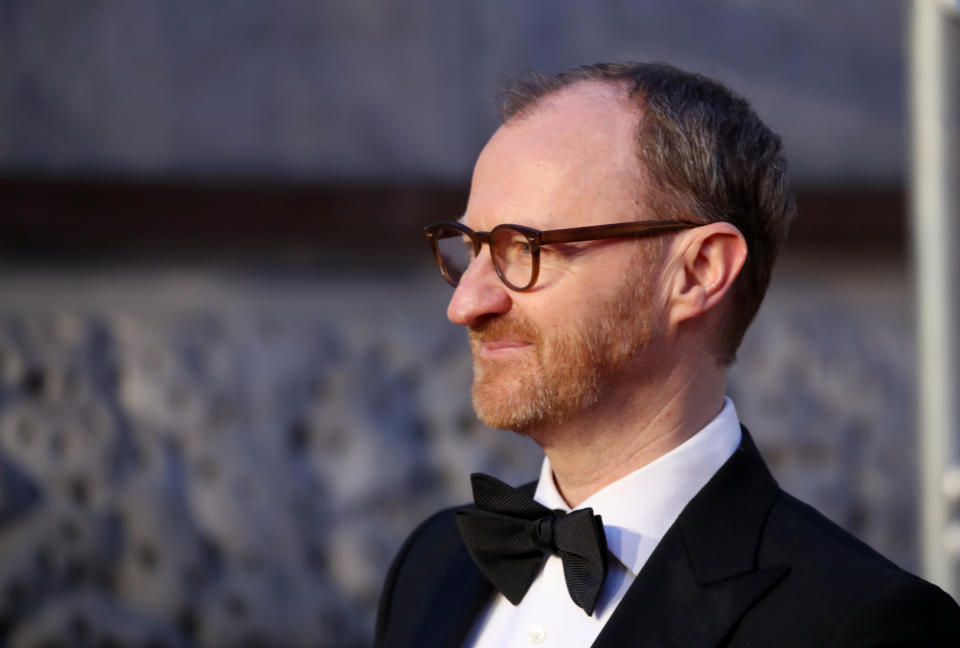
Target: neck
635, 425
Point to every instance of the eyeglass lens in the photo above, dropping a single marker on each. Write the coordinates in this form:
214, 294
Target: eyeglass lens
455, 251
512, 255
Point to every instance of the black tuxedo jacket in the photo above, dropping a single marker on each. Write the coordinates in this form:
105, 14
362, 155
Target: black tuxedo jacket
745, 564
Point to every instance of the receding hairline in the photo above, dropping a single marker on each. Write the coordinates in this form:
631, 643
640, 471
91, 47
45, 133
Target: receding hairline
618, 89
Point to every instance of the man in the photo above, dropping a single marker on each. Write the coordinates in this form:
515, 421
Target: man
618, 239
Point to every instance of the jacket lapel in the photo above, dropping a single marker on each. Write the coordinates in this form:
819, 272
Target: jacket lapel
703, 576
461, 596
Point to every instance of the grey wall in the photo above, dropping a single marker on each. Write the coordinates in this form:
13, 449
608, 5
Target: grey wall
385, 90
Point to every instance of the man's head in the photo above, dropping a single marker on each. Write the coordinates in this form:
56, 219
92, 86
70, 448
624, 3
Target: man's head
608, 144
704, 154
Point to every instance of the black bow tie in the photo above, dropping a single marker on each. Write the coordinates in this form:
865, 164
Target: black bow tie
509, 533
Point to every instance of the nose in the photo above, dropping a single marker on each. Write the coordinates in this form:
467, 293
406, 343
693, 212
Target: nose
479, 294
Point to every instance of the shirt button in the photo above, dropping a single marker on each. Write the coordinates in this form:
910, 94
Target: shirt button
537, 634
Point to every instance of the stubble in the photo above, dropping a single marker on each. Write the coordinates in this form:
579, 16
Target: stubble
566, 370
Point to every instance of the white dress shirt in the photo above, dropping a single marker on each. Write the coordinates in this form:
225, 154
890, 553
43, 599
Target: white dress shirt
637, 510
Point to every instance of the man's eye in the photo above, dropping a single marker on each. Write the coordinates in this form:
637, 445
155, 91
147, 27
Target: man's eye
518, 249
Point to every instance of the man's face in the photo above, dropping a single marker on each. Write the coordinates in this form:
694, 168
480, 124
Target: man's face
547, 355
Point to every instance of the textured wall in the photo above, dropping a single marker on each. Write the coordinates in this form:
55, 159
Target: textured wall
194, 458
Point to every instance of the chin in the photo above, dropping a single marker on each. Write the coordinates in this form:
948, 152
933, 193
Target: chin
525, 407
503, 411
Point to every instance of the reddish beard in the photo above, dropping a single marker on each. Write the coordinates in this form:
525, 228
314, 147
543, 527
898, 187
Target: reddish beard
564, 371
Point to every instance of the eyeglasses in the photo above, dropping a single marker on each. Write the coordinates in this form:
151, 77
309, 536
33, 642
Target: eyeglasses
515, 250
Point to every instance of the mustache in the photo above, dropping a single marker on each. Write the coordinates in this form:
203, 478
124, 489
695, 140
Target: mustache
503, 328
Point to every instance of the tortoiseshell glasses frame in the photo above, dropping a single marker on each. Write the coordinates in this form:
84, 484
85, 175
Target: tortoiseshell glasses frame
515, 249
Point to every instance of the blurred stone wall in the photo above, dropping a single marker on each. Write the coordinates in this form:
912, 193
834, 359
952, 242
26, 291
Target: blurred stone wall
225, 459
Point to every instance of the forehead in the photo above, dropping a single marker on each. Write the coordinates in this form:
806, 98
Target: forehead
570, 161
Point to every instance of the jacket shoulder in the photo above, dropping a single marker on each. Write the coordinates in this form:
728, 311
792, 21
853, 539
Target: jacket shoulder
797, 532
841, 592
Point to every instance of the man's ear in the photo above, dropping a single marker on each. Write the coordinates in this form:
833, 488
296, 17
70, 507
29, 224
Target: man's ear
708, 261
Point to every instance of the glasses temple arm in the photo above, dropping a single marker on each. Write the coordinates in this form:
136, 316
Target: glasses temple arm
618, 230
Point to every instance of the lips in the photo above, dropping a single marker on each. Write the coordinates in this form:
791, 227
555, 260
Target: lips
501, 337
500, 348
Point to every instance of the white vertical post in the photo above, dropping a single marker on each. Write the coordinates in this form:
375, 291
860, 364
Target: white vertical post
934, 46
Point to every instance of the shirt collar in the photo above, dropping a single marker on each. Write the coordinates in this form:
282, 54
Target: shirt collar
638, 509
